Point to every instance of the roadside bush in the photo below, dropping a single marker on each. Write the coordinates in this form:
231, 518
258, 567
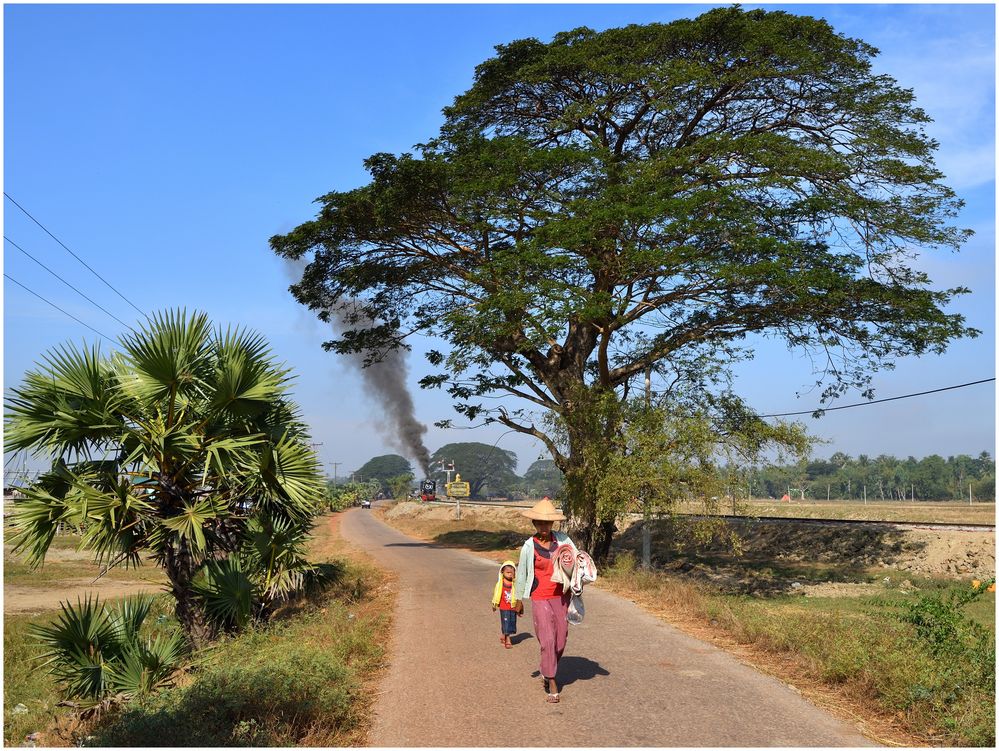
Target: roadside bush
260, 694
958, 682
98, 655
295, 681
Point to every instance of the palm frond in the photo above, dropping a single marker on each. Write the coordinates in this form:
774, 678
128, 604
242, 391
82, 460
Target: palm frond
291, 474
126, 617
227, 593
145, 667
64, 406
247, 381
170, 355
75, 647
189, 524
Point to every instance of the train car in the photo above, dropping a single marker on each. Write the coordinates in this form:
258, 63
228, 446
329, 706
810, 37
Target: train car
428, 490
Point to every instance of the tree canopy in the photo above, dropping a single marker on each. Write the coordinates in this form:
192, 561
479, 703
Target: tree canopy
643, 199
384, 469
542, 478
480, 465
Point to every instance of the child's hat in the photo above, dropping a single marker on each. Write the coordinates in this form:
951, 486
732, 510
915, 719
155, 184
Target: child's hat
511, 564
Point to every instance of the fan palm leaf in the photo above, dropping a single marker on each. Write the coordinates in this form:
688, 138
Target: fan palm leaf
170, 356
65, 406
227, 593
145, 666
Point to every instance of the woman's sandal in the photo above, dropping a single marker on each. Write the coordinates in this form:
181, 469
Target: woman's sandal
549, 696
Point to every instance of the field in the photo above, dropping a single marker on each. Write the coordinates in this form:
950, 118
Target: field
948, 512
943, 512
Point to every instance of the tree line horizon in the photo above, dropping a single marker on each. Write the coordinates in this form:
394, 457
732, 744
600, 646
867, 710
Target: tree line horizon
885, 476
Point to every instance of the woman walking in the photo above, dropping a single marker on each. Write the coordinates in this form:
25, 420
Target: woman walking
549, 602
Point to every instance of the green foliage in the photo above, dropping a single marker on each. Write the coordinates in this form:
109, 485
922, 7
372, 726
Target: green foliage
97, 653
932, 478
669, 455
350, 494
383, 469
480, 465
941, 623
643, 199
543, 478
399, 486
182, 444
290, 682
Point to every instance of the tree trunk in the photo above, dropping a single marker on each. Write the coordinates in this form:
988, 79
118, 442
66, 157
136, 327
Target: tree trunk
180, 570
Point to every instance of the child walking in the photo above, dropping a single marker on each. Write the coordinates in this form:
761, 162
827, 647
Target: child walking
506, 600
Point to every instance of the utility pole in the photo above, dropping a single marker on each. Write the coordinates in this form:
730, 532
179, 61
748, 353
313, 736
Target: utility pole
335, 465
646, 532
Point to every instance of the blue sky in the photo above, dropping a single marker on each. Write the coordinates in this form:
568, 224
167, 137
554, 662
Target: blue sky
166, 144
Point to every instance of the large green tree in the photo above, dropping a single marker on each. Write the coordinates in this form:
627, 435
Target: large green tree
543, 477
383, 469
479, 464
183, 445
639, 200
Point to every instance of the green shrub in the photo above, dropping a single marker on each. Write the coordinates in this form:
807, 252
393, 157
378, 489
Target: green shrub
294, 681
98, 655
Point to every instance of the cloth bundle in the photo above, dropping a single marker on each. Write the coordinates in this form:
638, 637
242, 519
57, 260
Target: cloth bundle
573, 569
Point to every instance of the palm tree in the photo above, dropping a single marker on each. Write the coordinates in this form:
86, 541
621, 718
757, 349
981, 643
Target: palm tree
182, 445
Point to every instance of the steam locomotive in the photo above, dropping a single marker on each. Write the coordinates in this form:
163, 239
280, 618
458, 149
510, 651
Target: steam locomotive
428, 490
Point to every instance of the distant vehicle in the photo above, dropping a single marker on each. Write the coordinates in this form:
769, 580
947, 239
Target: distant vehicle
365, 503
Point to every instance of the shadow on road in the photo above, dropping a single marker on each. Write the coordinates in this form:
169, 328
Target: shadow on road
518, 638
410, 545
480, 539
572, 668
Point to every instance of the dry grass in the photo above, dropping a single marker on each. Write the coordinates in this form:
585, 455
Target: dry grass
945, 512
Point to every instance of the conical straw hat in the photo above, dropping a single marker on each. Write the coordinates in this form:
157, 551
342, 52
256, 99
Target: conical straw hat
544, 510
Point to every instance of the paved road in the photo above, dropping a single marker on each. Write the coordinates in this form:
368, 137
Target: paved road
629, 679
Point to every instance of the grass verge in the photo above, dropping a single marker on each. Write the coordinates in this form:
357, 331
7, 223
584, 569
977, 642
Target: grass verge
300, 680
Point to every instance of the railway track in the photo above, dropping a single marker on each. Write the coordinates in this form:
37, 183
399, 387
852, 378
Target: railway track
935, 526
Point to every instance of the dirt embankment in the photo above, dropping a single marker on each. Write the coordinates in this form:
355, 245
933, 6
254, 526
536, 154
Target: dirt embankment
854, 548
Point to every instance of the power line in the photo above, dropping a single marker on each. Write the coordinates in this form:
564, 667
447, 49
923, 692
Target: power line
7, 195
877, 401
8, 276
65, 282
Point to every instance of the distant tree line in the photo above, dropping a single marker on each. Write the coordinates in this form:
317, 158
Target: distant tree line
884, 477
490, 473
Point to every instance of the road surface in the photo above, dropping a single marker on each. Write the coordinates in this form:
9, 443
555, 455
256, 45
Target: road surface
627, 678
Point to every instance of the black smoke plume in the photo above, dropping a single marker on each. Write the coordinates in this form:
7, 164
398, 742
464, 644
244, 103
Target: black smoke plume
384, 380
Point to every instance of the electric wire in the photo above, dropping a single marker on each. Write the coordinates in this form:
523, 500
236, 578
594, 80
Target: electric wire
94, 302
878, 401
25, 211
8, 276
